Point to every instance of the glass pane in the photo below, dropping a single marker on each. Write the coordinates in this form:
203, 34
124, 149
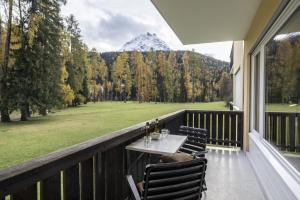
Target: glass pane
257, 91
283, 90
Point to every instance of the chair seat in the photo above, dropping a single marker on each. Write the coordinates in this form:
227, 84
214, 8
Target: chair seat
177, 157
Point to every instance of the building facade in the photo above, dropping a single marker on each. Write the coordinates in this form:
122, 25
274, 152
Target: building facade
237, 74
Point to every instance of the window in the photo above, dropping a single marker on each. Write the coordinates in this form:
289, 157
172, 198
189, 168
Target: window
256, 92
282, 90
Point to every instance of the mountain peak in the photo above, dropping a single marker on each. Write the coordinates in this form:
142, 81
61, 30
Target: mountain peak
145, 42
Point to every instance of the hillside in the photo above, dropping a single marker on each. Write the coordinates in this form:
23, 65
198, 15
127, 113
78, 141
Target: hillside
207, 61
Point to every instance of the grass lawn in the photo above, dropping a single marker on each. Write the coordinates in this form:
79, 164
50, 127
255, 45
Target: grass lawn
274, 107
21, 141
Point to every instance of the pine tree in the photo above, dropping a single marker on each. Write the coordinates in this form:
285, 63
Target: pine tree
77, 64
187, 93
4, 82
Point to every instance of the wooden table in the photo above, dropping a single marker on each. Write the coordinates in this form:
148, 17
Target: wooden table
165, 146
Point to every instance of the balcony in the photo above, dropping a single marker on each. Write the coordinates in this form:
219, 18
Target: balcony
96, 169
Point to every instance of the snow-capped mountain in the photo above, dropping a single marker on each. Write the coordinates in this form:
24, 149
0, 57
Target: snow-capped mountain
145, 42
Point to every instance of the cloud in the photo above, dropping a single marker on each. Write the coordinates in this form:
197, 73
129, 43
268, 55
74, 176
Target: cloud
117, 29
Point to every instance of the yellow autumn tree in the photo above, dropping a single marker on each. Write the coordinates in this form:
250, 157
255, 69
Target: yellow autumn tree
121, 76
142, 77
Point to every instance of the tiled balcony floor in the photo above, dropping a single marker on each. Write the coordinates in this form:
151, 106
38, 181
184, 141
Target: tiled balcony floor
230, 176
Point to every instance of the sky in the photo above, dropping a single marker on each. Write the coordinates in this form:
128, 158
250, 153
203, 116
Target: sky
108, 24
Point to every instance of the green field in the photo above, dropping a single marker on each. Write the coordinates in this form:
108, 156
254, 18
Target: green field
21, 141
283, 107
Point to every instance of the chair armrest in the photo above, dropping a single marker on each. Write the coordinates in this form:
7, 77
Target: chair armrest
199, 153
133, 189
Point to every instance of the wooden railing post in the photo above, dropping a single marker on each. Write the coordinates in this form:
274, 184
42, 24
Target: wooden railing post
214, 128
51, 188
283, 132
220, 129
233, 129
240, 134
226, 129
292, 126
100, 176
28, 193
71, 183
86, 190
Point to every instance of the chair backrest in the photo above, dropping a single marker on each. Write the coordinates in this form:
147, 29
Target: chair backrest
176, 181
196, 139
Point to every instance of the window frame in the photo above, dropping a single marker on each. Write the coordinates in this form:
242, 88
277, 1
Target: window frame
292, 6
260, 52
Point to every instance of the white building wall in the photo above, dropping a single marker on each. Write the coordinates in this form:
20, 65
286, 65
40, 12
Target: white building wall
237, 73
238, 90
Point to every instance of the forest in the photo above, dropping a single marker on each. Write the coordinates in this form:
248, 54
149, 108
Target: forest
283, 70
45, 64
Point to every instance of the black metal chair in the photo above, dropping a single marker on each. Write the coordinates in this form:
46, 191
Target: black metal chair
196, 140
171, 181
194, 146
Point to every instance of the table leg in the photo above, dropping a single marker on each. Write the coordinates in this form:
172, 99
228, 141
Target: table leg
148, 158
128, 162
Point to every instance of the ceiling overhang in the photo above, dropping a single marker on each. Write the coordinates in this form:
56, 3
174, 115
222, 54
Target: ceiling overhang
205, 21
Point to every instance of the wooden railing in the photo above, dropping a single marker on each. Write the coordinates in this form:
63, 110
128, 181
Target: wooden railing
283, 130
96, 169
224, 127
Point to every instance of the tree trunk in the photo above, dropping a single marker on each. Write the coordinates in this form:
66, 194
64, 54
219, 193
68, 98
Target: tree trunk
24, 115
43, 111
5, 115
25, 112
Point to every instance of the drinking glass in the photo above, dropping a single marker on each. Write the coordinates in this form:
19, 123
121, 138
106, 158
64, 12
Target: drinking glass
164, 132
147, 141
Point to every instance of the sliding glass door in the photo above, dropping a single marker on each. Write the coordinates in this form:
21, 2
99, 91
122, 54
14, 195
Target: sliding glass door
275, 113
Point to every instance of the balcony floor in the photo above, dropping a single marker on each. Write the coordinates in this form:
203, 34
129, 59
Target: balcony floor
230, 176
